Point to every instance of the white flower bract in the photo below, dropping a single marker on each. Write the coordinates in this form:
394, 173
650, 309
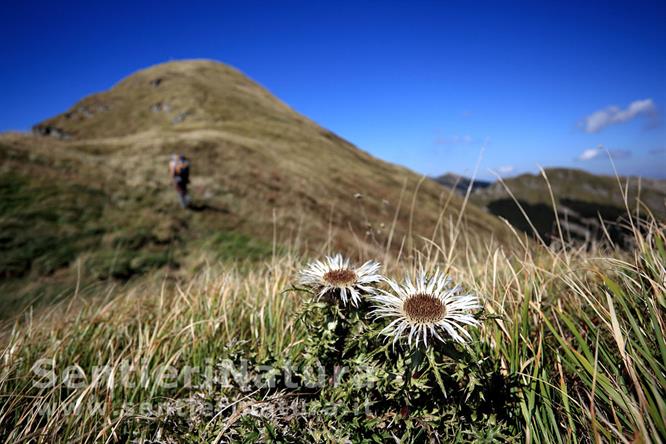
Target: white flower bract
426, 308
336, 275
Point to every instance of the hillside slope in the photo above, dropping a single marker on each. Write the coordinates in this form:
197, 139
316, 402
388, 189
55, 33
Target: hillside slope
88, 195
583, 200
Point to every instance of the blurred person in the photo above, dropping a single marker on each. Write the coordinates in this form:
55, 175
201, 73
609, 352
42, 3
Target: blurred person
179, 170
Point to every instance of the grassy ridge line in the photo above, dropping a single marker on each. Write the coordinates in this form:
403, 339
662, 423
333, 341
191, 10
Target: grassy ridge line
574, 202
583, 332
578, 185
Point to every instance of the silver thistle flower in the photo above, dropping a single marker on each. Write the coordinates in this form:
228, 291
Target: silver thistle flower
426, 308
335, 275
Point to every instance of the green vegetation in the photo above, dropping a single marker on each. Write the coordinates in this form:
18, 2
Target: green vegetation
232, 246
62, 221
75, 236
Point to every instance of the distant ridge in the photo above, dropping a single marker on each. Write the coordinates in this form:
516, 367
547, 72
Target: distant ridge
460, 183
583, 200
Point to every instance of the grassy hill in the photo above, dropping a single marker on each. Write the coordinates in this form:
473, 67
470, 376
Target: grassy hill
582, 201
86, 196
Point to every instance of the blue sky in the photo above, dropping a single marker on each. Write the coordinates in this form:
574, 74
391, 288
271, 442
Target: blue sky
436, 86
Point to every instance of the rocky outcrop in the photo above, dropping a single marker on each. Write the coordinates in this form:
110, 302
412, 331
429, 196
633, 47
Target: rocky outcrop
50, 131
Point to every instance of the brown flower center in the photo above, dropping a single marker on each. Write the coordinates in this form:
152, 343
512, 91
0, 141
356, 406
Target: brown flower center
424, 308
340, 278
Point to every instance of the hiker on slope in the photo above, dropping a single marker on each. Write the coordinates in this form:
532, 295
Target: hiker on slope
179, 170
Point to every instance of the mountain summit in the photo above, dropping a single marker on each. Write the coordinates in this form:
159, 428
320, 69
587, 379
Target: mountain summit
174, 96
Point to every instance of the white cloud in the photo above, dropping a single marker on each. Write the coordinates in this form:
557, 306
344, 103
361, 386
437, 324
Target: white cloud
593, 153
590, 153
613, 114
505, 169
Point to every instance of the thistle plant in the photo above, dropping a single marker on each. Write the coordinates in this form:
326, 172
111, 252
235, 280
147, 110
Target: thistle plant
337, 307
405, 349
425, 309
335, 279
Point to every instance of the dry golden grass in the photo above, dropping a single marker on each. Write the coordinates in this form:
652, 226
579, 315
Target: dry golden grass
559, 322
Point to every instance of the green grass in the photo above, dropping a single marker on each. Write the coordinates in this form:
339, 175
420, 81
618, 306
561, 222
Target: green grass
77, 232
228, 246
63, 221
